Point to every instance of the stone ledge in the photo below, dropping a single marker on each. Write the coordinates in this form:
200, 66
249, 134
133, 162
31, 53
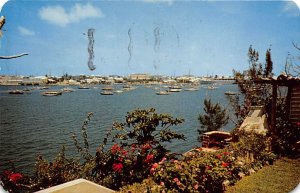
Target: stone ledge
77, 186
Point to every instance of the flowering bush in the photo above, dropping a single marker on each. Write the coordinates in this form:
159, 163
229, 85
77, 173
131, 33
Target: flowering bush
203, 172
137, 146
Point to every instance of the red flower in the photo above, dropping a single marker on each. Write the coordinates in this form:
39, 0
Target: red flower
117, 167
146, 146
224, 165
124, 152
149, 158
298, 124
226, 153
208, 167
115, 149
15, 177
219, 156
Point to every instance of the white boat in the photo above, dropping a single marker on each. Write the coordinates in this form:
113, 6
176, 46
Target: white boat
52, 93
106, 93
230, 93
107, 88
162, 93
119, 91
211, 87
68, 89
175, 90
83, 87
191, 89
16, 92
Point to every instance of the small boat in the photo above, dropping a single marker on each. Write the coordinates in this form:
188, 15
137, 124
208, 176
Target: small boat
175, 90
68, 89
83, 87
211, 87
44, 88
119, 91
163, 93
106, 93
52, 93
191, 89
107, 88
230, 93
16, 92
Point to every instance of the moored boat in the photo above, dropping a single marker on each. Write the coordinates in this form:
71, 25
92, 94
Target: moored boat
52, 93
68, 89
107, 88
83, 87
175, 90
106, 93
16, 92
162, 93
230, 93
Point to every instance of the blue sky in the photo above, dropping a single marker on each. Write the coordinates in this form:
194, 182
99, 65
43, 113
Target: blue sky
203, 37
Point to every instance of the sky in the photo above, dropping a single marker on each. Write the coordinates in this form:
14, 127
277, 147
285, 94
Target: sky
146, 36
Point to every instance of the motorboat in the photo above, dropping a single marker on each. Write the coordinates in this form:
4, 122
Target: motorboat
230, 93
16, 92
106, 93
162, 93
68, 89
52, 93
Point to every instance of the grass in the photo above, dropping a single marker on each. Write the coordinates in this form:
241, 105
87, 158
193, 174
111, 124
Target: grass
283, 176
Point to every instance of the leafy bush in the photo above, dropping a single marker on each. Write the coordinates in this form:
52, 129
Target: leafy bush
138, 143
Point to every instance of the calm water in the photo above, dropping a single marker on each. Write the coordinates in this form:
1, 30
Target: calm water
33, 124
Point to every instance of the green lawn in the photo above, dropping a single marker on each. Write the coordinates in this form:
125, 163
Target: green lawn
283, 176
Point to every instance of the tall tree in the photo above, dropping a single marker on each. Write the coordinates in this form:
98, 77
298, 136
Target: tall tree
214, 119
253, 59
268, 65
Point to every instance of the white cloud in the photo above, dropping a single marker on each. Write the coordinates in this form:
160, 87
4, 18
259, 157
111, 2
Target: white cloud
59, 16
291, 9
25, 32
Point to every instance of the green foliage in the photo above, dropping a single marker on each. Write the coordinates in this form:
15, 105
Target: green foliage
254, 71
286, 134
138, 144
268, 65
201, 171
214, 118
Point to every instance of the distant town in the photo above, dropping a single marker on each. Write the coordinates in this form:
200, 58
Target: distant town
111, 79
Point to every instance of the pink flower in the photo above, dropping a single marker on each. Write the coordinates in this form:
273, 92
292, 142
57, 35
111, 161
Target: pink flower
152, 170
196, 186
117, 167
176, 180
162, 183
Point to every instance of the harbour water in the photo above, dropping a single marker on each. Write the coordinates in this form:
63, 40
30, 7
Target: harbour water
32, 124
